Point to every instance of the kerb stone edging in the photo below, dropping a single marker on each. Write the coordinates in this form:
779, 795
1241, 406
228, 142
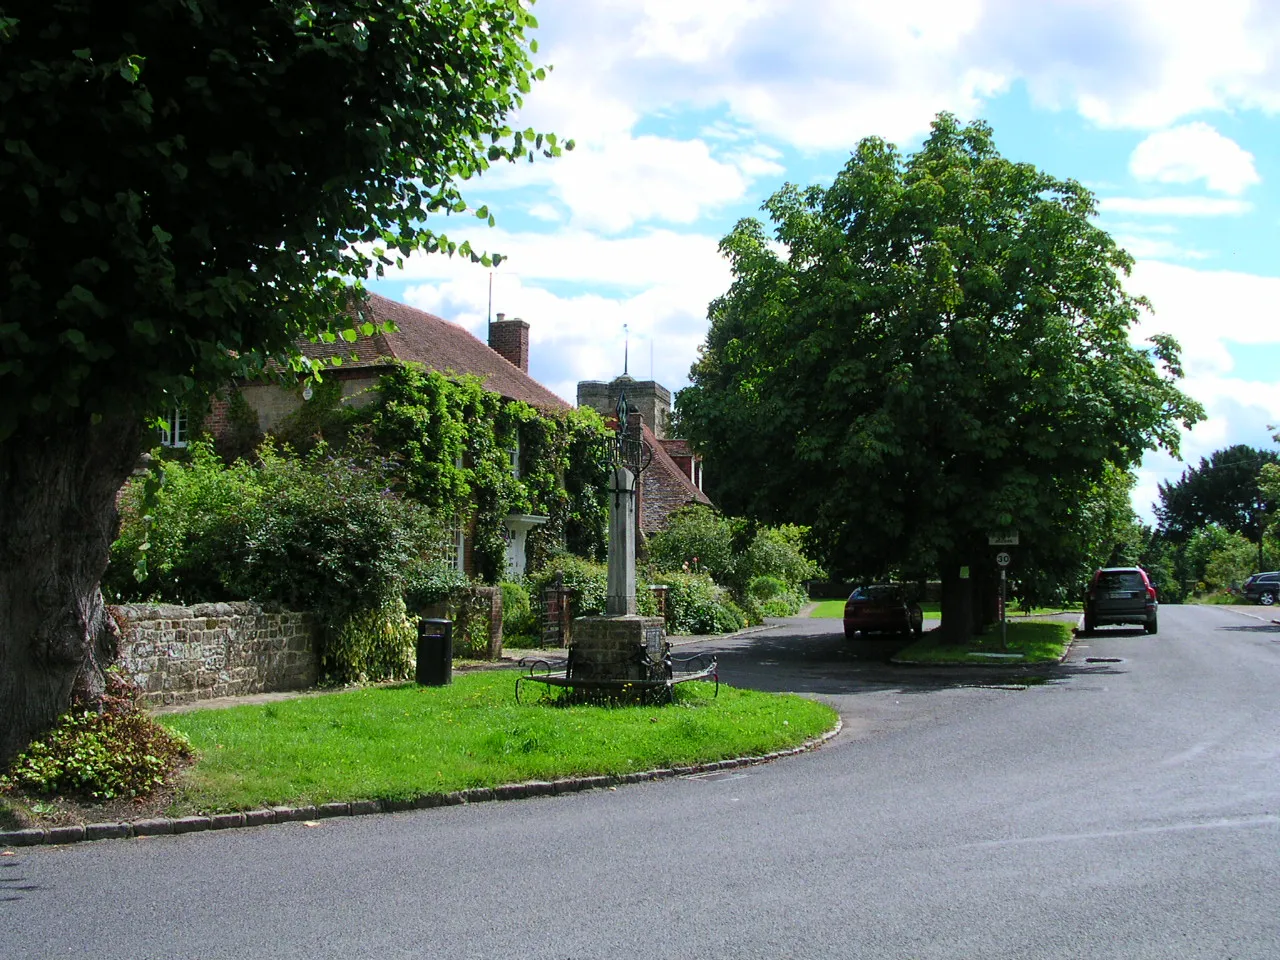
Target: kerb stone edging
157, 826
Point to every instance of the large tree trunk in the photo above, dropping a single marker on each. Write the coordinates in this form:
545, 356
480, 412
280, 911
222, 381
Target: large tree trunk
58, 487
958, 609
986, 585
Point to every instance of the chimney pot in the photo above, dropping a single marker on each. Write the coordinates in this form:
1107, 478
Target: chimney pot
510, 339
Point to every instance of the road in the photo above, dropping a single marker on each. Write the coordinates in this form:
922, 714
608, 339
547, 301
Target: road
1126, 809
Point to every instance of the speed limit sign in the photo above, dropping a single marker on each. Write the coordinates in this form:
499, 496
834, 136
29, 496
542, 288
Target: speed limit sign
1003, 558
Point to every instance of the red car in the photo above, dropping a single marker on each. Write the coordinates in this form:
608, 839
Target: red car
881, 608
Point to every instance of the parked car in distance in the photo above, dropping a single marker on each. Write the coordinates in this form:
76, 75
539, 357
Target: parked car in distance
1263, 588
1120, 595
882, 608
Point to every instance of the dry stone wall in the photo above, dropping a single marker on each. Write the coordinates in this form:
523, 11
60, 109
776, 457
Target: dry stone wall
182, 654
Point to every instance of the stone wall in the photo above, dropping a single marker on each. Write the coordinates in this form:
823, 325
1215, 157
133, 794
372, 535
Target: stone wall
183, 654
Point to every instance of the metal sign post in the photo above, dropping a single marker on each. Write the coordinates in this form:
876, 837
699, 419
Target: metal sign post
1003, 558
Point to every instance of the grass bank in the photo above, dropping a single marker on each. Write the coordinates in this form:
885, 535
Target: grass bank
834, 609
397, 743
1030, 641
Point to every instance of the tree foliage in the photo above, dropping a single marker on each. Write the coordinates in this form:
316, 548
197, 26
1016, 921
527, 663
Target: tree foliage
188, 184
1223, 489
187, 188
932, 347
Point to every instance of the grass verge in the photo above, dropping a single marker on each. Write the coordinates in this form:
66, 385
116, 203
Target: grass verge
834, 609
1038, 641
397, 743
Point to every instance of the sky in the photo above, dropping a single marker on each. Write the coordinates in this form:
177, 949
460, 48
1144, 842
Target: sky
688, 114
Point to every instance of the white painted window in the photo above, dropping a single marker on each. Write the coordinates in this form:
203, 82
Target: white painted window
175, 433
455, 545
514, 451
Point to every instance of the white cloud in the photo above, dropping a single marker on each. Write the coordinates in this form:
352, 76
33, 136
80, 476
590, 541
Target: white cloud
1194, 151
655, 258
825, 73
1206, 310
619, 181
545, 211
1175, 206
1143, 246
580, 337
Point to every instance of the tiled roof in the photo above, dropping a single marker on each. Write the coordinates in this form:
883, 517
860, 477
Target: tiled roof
439, 345
665, 488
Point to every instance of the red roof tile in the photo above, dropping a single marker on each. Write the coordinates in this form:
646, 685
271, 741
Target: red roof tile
439, 345
665, 488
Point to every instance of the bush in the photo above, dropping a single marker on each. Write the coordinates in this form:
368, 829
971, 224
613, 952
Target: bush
765, 588
588, 581
371, 645
119, 752
778, 552
697, 605
519, 616
695, 533
183, 545
432, 582
322, 533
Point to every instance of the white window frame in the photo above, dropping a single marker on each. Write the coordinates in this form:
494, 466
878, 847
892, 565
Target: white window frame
174, 434
455, 545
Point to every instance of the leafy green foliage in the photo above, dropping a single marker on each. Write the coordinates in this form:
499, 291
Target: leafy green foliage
519, 615
698, 536
113, 751
731, 550
932, 347
588, 580
371, 645
319, 533
245, 164
454, 440
187, 543
1223, 490
1216, 558
696, 604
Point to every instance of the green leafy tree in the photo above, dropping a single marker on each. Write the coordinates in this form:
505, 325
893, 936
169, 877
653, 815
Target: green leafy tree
933, 347
187, 188
1222, 489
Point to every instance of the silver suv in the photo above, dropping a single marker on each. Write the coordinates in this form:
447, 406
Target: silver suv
1120, 595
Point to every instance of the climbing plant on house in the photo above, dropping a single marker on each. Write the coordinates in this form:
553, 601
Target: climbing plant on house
454, 441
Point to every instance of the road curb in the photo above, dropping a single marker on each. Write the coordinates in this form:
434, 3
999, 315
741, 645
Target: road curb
310, 814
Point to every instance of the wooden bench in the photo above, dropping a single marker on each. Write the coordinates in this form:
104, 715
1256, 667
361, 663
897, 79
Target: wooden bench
660, 686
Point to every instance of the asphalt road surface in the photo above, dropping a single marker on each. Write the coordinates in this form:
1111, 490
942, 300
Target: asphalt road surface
1099, 809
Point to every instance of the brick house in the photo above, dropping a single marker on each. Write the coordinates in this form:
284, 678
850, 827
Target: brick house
437, 344
673, 478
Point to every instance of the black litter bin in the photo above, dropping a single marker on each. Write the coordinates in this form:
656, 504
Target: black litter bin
435, 653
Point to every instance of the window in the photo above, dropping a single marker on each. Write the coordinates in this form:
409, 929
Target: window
514, 451
175, 434
454, 556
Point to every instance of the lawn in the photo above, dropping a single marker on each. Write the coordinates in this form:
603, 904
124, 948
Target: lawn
401, 742
1038, 641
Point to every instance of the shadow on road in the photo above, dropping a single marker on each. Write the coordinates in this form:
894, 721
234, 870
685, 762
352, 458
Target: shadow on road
811, 656
1253, 628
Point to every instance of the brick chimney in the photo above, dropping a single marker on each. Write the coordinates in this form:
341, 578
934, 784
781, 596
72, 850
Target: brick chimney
510, 338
